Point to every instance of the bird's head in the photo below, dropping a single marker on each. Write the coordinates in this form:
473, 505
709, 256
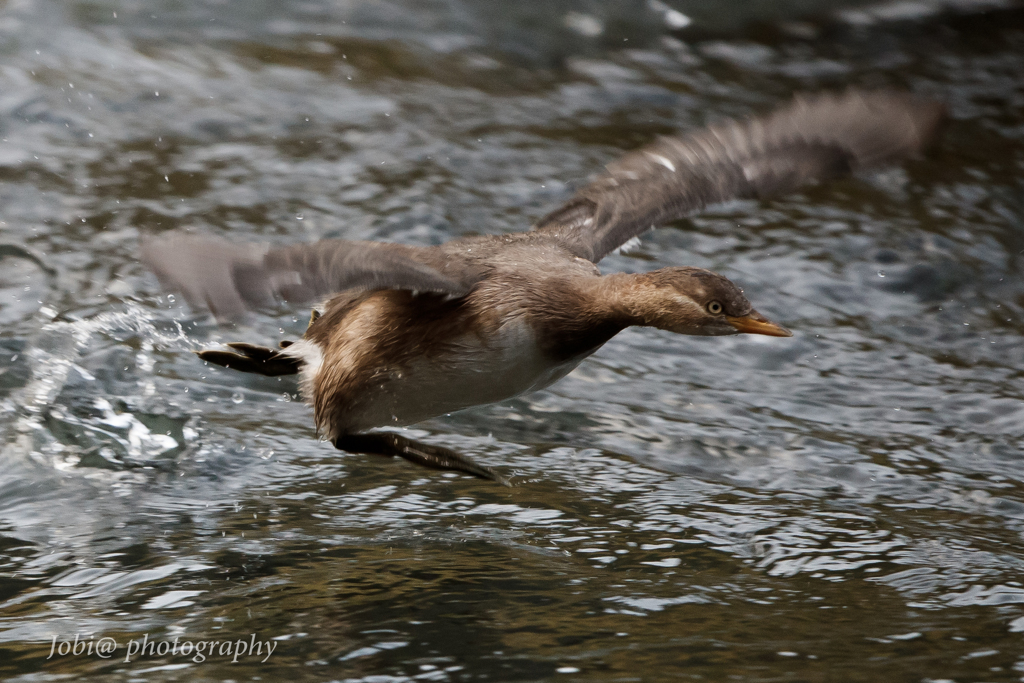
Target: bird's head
698, 302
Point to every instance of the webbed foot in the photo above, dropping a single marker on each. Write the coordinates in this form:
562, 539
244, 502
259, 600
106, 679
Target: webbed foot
251, 358
436, 457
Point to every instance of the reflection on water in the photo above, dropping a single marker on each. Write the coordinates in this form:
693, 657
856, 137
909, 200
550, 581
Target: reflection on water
843, 505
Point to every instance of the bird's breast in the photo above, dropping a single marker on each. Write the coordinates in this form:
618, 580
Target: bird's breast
470, 372
395, 360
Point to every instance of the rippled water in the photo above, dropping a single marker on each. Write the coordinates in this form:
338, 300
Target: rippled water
843, 505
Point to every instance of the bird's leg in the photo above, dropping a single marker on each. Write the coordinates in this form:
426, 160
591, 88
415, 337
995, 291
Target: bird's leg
437, 457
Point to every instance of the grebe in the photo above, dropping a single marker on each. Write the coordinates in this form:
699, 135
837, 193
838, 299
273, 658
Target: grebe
405, 333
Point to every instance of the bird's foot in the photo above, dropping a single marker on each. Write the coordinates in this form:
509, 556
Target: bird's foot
436, 457
251, 358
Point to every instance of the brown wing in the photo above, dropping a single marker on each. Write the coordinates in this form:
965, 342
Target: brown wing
813, 138
229, 278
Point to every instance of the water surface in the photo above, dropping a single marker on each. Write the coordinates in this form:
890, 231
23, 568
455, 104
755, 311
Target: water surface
844, 505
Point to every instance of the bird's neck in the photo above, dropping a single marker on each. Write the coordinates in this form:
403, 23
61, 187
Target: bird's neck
639, 300
575, 317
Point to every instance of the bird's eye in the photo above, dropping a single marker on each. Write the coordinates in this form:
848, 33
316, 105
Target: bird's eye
714, 308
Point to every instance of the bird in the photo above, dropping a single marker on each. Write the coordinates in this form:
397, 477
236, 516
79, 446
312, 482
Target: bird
402, 333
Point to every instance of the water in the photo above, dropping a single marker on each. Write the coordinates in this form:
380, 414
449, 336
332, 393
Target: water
843, 505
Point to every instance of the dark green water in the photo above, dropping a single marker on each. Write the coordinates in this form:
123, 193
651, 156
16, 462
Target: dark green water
845, 505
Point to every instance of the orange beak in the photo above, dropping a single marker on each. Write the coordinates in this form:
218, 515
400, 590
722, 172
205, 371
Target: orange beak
755, 323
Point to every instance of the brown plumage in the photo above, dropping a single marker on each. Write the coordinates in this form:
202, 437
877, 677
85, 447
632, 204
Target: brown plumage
407, 333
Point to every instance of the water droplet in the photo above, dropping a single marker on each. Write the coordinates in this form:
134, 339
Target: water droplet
676, 20
881, 273
237, 397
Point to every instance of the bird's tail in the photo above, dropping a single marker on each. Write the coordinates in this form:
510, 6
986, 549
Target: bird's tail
257, 359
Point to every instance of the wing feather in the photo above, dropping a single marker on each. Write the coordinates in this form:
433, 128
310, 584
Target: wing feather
230, 278
813, 138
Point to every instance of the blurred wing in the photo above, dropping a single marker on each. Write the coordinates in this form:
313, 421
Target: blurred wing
229, 278
814, 138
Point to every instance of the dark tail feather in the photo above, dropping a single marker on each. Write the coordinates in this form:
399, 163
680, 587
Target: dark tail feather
257, 359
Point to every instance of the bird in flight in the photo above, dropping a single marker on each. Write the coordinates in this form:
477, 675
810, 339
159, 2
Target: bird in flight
403, 333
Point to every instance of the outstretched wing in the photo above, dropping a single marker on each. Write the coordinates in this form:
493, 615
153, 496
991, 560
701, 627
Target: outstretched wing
813, 138
229, 278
